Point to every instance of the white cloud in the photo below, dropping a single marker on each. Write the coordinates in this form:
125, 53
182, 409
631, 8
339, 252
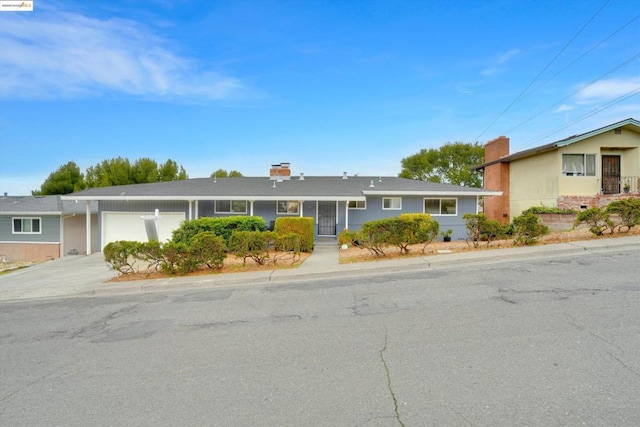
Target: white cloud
504, 57
605, 90
564, 107
69, 55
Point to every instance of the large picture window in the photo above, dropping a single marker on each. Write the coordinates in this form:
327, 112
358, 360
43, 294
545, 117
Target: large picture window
441, 206
393, 203
579, 164
288, 207
231, 206
26, 226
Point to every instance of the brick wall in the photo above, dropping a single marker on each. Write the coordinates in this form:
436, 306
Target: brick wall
599, 200
29, 252
496, 177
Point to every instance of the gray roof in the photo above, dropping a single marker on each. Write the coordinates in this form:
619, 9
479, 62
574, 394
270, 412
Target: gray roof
262, 188
42, 205
629, 124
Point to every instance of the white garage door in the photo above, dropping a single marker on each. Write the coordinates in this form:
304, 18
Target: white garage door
130, 226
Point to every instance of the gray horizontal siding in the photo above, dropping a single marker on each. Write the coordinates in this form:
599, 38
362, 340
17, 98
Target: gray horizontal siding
145, 206
49, 227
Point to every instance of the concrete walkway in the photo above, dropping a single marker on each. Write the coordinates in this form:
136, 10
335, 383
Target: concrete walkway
74, 276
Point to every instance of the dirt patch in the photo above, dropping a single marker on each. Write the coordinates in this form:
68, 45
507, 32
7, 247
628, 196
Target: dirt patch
355, 255
231, 265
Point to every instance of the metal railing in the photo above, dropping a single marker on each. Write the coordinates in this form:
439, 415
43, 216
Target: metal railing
629, 184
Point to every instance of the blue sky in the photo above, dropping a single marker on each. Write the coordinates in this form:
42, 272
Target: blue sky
329, 86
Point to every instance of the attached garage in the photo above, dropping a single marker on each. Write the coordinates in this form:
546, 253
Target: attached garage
130, 226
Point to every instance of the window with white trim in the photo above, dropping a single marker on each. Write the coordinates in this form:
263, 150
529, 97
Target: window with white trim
393, 203
579, 164
357, 204
288, 207
231, 206
441, 206
26, 226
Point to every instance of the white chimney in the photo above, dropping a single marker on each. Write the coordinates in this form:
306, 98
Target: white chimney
344, 175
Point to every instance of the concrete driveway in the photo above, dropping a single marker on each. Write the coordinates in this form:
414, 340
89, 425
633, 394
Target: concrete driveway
70, 275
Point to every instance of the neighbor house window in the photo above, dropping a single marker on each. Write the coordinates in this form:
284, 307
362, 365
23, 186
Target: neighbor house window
358, 204
231, 206
26, 226
579, 164
441, 206
392, 203
288, 207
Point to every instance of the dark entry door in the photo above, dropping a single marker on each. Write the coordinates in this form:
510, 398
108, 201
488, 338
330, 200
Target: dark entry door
611, 174
326, 218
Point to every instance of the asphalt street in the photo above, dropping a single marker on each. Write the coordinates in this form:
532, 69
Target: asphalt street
548, 341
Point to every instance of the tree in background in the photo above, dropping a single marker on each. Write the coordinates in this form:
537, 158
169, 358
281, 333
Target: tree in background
450, 164
222, 173
66, 179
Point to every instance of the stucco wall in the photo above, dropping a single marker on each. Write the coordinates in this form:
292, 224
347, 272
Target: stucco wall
534, 182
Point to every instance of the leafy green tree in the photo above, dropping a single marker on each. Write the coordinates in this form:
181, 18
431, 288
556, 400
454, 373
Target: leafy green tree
66, 179
120, 171
452, 163
222, 173
145, 170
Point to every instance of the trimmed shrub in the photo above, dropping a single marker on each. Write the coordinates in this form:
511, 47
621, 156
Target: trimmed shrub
479, 228
122, 255
220, 226
424, 229
527, 227
597, 219
152, 254
209, 249
252, 244
287, 247
548, 210
628, 212
347, 237
303, 226
176, 259
374, 236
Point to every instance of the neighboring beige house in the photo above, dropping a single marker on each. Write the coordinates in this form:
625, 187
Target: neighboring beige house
586, 170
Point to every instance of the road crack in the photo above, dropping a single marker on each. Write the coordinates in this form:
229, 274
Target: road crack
389, 383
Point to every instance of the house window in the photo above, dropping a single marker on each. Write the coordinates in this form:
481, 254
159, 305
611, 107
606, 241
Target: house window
394, 203
231, 206
288, 207
441, 206
358, 204
579, 164
26, 226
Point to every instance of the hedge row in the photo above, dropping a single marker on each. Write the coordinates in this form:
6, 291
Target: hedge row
400, 231
220, 226
619, 216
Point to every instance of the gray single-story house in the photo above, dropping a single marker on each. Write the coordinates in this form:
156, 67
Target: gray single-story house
334, 202
41, 228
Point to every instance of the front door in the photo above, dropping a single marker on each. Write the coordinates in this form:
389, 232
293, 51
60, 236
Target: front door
611, 174
326, 218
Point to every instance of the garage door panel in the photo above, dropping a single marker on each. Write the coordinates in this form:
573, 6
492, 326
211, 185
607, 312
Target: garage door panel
130, 226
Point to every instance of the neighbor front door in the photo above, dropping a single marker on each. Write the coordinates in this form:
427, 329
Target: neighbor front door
326, 218
611, 174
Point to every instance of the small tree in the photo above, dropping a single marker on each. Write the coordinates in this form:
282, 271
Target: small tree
597, 219
628, 212
209, 249
527, 227
251, 244
480, 228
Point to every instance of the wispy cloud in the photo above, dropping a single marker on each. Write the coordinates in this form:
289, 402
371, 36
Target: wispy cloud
605, 90
564, 107
498, 65
506, 56
68, 55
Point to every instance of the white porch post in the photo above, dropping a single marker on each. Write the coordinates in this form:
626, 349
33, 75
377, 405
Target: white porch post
337, 212
196, 214
88, 222
251, 207
346, 215
301, 207
190, 209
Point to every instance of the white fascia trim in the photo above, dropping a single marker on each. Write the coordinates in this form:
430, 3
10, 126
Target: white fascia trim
20, 242
23, 213
247, 197
433, 193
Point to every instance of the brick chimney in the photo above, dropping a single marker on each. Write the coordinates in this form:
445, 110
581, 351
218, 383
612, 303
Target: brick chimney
280, 172
496, 177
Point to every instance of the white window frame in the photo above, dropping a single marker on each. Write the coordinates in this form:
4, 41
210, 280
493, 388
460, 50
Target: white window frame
439, 199
230, 211
26, 218
290, 205
584, 171
391, 208
358, 204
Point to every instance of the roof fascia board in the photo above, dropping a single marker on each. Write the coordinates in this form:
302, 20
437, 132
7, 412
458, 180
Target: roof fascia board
598, 132
30, 213
480, 192
200, 198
